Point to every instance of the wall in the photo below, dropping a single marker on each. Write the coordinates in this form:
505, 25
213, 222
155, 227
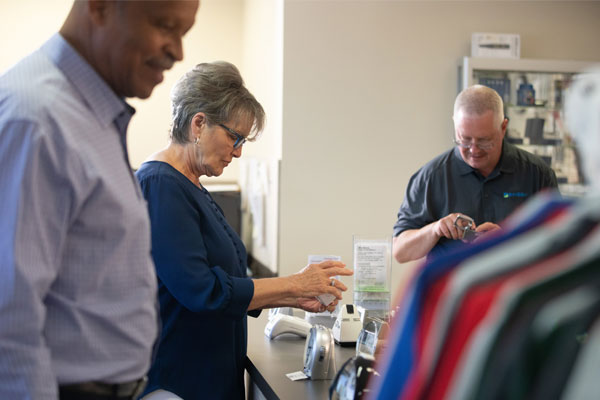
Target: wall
262, 64
216, 35
23, 31
368, 94
262, 68
358, 99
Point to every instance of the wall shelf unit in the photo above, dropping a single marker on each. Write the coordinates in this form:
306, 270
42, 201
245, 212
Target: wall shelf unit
533, 92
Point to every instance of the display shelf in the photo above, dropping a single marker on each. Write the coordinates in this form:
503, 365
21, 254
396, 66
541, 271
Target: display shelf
533, 93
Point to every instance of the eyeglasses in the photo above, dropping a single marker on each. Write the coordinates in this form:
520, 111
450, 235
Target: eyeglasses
484, 145
468, 144
239, 139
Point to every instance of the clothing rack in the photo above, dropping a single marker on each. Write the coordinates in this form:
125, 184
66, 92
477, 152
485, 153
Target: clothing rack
509, 316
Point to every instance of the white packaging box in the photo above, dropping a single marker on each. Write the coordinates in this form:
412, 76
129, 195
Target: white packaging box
496, 45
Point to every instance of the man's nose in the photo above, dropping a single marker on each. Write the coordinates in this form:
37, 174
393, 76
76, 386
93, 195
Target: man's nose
175, 49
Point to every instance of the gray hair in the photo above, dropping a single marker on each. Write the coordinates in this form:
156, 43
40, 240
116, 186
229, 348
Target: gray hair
478, 99
216, 89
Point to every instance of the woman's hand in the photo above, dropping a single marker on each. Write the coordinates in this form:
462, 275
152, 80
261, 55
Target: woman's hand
316, 279
300, 289
311, 304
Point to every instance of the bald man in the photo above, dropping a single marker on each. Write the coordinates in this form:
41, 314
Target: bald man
78, 316
481, 180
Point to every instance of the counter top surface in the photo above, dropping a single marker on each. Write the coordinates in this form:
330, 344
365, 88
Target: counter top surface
271, 360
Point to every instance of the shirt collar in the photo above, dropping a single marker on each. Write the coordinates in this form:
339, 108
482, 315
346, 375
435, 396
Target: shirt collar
506, 164
463, 167
100, 98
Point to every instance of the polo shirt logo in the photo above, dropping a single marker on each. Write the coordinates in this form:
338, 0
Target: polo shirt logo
514, 194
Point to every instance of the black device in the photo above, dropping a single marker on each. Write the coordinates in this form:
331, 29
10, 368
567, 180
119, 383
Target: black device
350, 382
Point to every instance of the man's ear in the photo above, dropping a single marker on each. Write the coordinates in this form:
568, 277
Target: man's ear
99, 10
504, 126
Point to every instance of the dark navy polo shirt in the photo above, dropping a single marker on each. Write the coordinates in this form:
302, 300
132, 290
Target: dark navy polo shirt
447, 184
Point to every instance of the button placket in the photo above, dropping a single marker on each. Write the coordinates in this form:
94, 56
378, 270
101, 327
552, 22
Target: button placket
226, 226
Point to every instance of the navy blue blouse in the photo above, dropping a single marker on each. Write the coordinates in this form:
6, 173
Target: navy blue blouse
202, 287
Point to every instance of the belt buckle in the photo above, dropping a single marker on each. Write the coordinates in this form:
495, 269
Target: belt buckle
141, 385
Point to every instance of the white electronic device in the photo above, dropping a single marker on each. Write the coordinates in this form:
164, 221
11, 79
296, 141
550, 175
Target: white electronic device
281, 323
319, 353
324, 318
362, 313
294, 312
347, 325
487, 45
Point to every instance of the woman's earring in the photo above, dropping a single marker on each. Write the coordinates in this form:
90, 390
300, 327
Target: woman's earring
196, 140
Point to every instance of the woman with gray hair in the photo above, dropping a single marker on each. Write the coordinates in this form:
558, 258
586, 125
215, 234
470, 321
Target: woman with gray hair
204, 292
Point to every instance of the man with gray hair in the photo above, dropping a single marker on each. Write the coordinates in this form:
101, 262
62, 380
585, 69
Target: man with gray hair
78, 315
478, 183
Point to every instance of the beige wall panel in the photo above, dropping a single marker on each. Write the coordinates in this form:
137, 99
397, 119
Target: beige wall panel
368, 94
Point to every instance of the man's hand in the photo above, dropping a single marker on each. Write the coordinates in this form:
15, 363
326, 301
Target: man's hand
445, 227
413, 244
486, 228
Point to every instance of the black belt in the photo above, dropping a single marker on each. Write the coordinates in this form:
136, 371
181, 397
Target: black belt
127, 390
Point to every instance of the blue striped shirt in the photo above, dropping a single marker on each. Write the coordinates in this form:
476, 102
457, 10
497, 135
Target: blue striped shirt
77, 283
